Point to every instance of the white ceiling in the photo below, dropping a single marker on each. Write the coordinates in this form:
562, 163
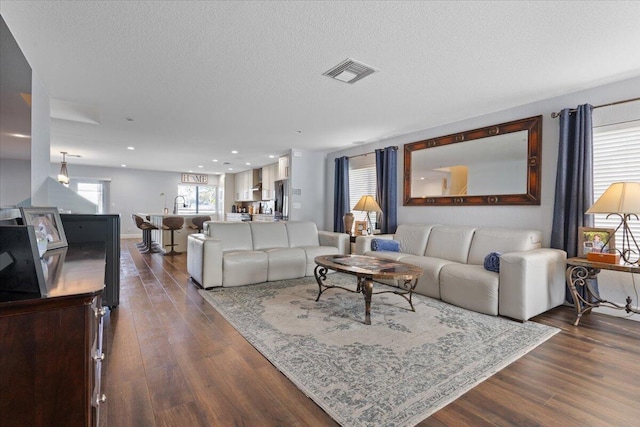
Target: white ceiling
200, 79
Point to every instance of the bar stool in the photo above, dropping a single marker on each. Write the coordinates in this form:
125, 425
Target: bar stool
137, 222
198, 223
172, 223
146, 227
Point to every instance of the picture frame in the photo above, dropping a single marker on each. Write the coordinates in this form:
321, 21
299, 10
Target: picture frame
46, 220
361, 228
593, 239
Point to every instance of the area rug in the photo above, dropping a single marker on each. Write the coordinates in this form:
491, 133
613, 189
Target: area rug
395, 372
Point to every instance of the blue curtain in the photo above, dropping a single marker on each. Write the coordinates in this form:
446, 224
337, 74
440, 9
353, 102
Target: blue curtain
341, 193
574, 181
387, 189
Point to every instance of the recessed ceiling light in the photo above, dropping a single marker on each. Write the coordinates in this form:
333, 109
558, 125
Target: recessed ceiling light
131, 148
129, 119
124, 166
298, 131
248, 164
200, 166
234, 152
214, 160
271, 156
230, 169
190, 171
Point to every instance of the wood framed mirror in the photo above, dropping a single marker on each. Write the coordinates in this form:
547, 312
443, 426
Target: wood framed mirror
494, 165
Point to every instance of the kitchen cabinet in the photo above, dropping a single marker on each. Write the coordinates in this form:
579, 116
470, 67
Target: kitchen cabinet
269, 175
245, 183
283, 167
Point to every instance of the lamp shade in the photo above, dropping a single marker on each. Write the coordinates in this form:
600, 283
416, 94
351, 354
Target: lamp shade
63, 176
367, 204
620, 197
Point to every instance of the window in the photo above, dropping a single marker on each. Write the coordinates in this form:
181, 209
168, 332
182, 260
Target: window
616, 158
97, 192
197, 199
362, 182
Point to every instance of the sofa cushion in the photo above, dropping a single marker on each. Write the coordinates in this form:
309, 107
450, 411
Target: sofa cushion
429, 282
471, 287
314, 251
244, 267
235, 236
302, 233
450, 243
503, 240
286, 263
413, 238
267, 235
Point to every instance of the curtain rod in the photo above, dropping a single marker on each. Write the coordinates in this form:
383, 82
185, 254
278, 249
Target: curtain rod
554, 114
395, 147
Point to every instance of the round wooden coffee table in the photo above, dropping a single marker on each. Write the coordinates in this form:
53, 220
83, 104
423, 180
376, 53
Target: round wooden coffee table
367, 269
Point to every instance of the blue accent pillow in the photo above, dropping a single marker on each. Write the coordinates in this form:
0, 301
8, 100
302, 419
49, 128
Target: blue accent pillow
385, 245
492, 262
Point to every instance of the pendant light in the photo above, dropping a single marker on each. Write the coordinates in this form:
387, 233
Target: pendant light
63, 176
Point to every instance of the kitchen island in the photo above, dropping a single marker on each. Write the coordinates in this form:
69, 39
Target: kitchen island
163, 237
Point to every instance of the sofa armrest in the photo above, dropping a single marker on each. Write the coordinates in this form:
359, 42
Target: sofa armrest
531, 282
204, 260
332, 238
363, 243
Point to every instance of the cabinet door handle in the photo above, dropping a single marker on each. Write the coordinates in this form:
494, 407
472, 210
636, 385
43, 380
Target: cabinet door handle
100, 312
98, 357
101, 399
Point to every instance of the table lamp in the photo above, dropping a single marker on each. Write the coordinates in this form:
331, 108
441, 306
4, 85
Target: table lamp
367, 204
622, 199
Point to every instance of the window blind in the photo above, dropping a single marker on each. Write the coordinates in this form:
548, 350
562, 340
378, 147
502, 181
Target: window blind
616, 158
362, 182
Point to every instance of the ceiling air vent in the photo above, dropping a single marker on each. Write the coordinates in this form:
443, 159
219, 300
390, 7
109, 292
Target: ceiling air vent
349, 71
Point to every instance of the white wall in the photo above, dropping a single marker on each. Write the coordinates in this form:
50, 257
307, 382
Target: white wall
15, 181
40, 142
132, 190
308, 199
534, 217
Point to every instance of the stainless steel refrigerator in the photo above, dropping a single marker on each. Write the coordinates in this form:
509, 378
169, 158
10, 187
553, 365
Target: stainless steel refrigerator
281, 202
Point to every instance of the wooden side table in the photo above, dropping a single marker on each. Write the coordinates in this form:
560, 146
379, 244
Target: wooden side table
579, 273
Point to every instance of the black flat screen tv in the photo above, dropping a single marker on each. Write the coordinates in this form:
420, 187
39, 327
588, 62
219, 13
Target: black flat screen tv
21, 272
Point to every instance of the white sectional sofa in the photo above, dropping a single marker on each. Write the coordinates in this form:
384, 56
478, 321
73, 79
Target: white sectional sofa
531, 279
242, 253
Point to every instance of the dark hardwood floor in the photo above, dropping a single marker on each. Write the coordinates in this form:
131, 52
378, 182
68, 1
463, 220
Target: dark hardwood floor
172, 360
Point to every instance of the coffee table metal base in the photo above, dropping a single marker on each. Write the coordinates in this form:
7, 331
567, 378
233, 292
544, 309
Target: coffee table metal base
365, 286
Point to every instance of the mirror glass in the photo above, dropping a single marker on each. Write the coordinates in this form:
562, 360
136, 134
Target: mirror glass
493, 165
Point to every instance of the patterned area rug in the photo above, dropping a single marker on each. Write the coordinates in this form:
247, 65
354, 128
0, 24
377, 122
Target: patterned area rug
395, 372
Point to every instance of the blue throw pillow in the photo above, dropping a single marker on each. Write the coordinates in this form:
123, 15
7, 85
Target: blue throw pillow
492, 262
385, 245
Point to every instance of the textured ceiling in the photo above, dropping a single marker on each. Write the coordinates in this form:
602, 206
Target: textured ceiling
202, 78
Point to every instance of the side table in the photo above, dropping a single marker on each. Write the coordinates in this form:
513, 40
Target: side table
580, 271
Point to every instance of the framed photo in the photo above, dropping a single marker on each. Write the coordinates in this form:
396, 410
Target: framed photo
600, 240
361, 228
46, 220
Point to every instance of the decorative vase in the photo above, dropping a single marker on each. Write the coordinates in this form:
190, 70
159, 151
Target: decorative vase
348, 222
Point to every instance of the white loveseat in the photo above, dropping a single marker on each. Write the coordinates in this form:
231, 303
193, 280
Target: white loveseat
531, 279
242, 253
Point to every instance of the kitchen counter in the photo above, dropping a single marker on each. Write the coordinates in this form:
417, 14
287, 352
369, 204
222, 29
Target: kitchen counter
163, 237
262, 217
